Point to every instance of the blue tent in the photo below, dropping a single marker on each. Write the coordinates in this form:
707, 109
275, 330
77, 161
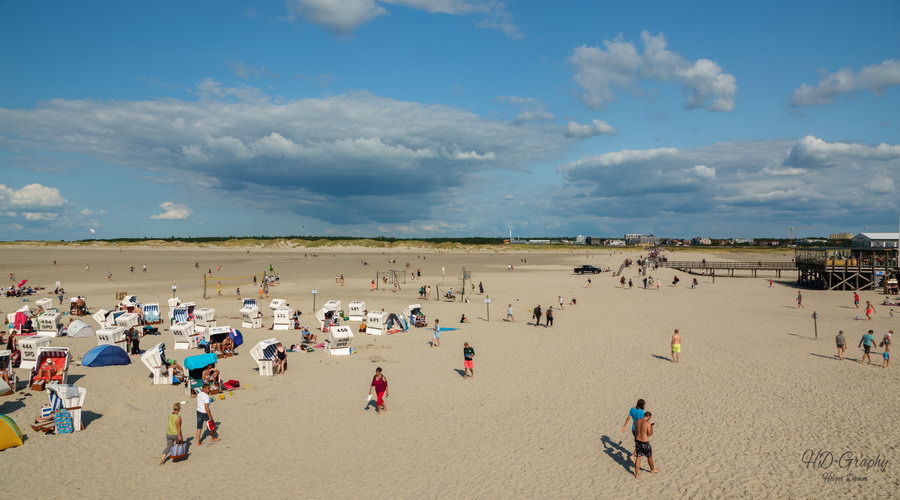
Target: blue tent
199, 361
106, 355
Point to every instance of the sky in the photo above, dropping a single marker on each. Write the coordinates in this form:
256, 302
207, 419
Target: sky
447, 118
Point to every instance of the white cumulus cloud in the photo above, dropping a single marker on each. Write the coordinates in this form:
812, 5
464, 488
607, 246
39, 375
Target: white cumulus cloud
596, 127
172, 211
599, 71
31, 196
876, 78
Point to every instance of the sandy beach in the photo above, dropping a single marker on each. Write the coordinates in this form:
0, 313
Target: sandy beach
753, 393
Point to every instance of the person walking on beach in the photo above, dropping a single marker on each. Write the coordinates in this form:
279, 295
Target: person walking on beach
380, 386
642, 444
676, 346
537, 315
886, 344
549, 316
622, 281
509, 314
237, 292
841, 345
173, 432
436, 334
204, 415
771, 283
856, 299
866, 343
634, 415
468, 360
799, 299
658, 283
560, 299
870, 310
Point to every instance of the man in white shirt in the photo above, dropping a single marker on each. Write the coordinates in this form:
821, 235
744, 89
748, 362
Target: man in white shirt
203, 415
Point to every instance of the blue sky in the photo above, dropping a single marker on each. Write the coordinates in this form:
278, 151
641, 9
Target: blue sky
447, 118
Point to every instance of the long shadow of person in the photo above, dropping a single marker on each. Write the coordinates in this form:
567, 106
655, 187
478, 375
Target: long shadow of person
616, 452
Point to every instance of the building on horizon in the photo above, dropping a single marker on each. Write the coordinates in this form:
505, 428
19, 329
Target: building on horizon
641, 240
701, 241
840, 236
876, 240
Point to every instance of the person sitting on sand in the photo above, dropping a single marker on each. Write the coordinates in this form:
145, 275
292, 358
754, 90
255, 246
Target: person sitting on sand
211, 375
463, 319
362, 327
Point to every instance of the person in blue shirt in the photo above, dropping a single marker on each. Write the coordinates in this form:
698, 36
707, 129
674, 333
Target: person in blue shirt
634, 415
867, 342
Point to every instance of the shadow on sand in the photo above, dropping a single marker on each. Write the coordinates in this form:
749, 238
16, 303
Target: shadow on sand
616, 452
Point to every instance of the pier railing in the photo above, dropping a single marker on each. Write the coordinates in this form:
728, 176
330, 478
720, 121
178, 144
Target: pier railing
729, 266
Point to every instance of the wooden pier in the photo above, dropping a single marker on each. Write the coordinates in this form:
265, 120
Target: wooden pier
846, 268
728, 268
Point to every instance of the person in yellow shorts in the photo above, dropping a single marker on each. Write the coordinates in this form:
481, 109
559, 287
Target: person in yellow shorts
676, 346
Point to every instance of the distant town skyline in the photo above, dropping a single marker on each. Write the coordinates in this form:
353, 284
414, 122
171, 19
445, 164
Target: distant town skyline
448, 118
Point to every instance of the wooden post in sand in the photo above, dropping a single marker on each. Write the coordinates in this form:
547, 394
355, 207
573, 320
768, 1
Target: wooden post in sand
204, 285
487, 302
816, 324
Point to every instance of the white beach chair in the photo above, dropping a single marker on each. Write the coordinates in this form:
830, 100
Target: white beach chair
30, 347
185, 337
204, 318
339, 340
59, 356
251, 317
155, 360
180, 314
45, 303
100, 317
128, 320
151, 314
50, 324
376, 322
248, 302
264, 355
283, 318
71, 398
113, 335
356, 310
277, 304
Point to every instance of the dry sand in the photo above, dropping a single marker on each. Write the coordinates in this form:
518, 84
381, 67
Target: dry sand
542, 417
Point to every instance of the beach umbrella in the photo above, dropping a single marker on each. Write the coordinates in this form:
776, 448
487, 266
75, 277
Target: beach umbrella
21, 283
10, 435
199, 361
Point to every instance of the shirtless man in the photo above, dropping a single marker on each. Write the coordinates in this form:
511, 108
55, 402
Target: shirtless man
642, 444
676, 346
